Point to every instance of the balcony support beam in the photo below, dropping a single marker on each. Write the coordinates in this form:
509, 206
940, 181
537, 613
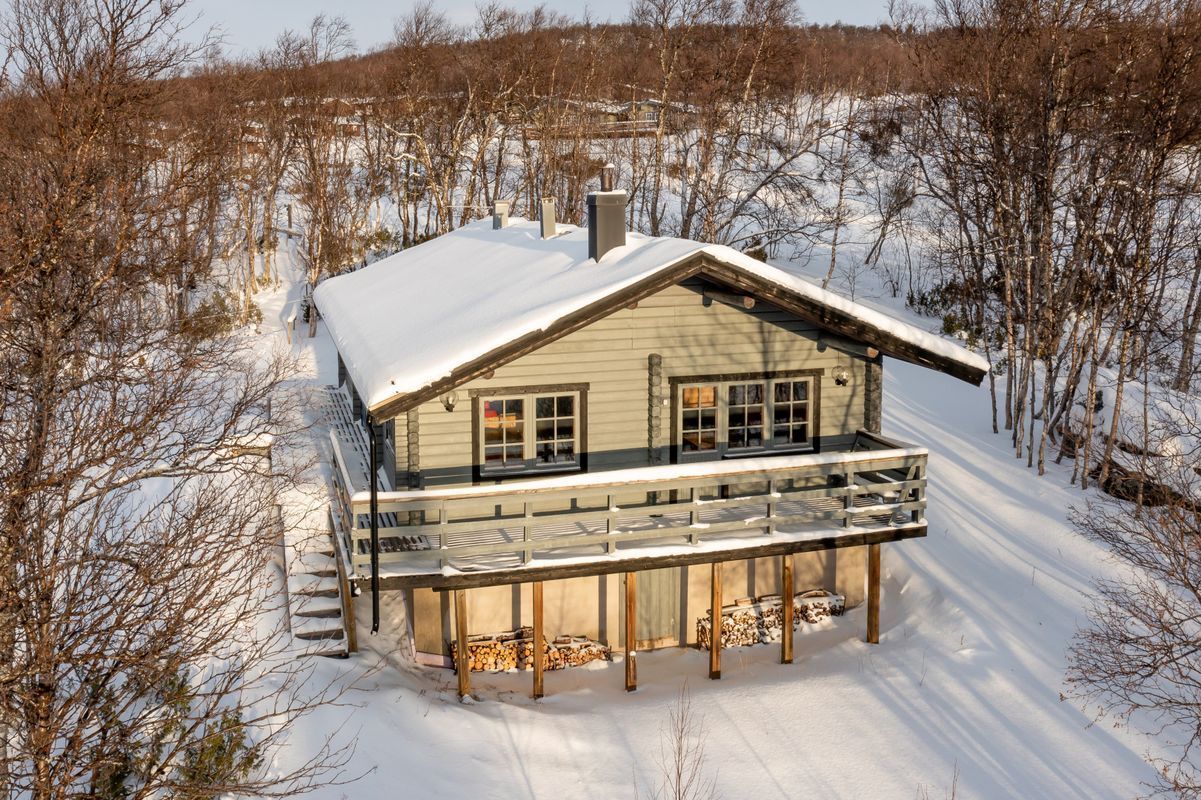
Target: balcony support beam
539, 653
873, 594
609, 566
631, 632
462, 656
715, 623
786, 593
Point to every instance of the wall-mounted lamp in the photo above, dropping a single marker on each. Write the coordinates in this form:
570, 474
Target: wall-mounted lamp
842, 376
449, 399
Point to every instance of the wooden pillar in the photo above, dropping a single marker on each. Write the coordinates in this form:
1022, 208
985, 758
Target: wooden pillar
786, 592
631, 633
539, 655
873, 393
873, 593
462, 657
715, 623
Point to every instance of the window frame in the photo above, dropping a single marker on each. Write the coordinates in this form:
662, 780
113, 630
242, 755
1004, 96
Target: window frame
723, 382
528, 395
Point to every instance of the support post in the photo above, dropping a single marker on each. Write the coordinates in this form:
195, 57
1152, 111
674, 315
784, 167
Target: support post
527, 529
539, 655
631, 632
786, 593
462, 657
373, 480
715, 623
873, 594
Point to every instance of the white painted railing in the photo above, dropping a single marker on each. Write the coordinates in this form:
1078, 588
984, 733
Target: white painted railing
877, 484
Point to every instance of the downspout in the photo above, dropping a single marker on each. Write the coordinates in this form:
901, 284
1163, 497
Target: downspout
374, 530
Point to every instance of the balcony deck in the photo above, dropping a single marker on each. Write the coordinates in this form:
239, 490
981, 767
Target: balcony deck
619, 520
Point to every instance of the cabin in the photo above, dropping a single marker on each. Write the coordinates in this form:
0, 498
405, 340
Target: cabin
559, 441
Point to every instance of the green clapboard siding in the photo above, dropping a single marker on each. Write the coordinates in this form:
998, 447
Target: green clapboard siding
611, 356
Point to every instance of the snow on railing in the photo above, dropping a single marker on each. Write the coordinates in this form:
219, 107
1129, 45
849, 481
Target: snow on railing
877, 484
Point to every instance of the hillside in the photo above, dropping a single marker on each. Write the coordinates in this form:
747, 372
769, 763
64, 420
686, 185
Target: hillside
963, 690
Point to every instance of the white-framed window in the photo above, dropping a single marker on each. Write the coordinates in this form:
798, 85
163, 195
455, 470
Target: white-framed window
722, 417
534, 431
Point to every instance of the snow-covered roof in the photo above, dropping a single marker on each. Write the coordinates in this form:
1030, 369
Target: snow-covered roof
412, 320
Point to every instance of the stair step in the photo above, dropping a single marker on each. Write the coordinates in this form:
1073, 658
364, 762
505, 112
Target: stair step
312, 563
334, 613
310, 606
313, 585
321, 635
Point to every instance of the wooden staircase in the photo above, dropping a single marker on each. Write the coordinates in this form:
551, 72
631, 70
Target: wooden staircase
319, 606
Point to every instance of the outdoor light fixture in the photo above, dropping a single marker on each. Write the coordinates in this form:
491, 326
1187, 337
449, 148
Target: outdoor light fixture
449, 399
841, 376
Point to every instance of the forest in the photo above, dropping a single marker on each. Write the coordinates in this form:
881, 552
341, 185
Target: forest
1027, 173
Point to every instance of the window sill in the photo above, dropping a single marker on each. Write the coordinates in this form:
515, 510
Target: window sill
515, 474
759, 452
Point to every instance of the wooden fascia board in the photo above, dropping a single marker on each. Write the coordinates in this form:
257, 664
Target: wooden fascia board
837, 321
507, 577
532, 341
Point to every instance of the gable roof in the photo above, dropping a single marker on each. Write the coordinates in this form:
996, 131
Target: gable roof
418, 323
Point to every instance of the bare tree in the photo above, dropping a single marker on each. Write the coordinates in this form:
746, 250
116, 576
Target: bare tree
1137, 659
143, 647
682, 755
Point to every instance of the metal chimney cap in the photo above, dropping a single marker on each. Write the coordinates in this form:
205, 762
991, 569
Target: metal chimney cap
500, 214
608, 171
546, 218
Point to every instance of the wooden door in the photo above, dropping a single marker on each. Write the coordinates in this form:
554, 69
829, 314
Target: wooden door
658, 608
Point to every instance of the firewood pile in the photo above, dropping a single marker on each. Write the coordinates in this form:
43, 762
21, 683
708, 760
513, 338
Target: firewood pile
501, 652
760, 620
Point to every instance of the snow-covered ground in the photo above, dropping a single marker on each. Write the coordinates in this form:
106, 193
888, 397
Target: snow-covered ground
963, 689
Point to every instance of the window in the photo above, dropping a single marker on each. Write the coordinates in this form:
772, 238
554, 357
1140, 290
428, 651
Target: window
790, 412
744, 415
555, 429
725, 418
528, 432
699, 418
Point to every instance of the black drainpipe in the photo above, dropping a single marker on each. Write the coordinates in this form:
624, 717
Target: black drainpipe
374, 531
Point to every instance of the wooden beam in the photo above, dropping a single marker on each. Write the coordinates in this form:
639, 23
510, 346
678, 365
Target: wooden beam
462, 657
873, 594
539, 655
740, 300
786, 593
631, 632
507, 577
715, 623
848, 347
873, 394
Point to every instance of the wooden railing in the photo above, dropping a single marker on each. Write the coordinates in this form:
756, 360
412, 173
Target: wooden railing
875, 484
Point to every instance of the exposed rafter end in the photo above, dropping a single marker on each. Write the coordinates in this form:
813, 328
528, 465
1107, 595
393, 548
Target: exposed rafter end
731, 299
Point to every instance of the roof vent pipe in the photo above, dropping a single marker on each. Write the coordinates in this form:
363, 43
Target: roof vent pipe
500, 214
606, 217
546, 217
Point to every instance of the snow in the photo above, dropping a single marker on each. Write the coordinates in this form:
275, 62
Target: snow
965, 682
409, 320
975, 622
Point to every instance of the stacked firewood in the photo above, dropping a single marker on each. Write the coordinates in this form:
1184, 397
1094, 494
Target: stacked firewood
515, 650
760, 620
